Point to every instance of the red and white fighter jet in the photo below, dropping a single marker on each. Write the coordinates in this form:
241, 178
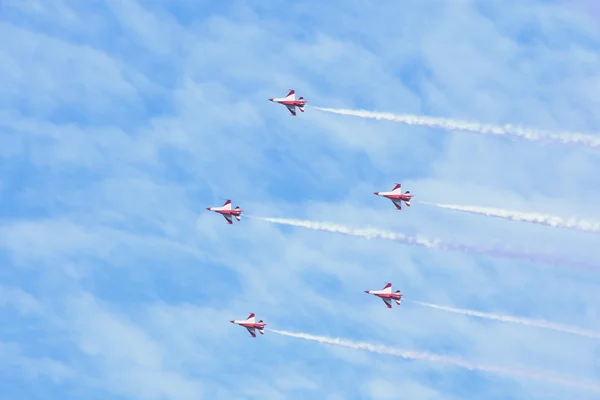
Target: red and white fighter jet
386, 295
290, 102
250, 324
396, 196
226, 211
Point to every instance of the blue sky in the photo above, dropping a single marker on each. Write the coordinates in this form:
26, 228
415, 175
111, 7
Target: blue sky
121, 121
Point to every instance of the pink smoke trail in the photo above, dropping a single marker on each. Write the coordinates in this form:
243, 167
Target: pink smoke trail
371, 233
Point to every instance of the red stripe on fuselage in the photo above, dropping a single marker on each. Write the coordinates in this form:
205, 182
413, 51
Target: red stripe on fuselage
394, 296
398, 196
293, 103
230, 212
257, 326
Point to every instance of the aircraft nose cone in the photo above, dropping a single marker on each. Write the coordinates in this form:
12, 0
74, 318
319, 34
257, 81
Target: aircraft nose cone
377, 193
208, 208
231, 321
270, 99
366, 291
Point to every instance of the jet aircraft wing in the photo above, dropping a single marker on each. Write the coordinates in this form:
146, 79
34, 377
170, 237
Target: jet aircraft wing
292, 109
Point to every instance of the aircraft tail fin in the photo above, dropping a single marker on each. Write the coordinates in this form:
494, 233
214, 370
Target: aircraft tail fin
399, 300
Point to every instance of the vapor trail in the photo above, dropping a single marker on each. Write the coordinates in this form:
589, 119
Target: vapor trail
533, 135
370, 233
516, 320
421, 356
542, 219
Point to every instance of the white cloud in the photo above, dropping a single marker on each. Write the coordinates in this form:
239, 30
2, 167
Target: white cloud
16, 363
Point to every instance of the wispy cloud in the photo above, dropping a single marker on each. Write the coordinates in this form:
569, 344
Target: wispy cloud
15, 361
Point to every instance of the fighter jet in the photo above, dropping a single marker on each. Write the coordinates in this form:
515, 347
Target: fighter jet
290, 102
250, 324
396, 196
386, 295
226, 211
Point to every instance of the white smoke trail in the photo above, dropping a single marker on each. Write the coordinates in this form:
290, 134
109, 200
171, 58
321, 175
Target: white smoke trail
370, 233
516, 320
542, 219
421, 356
532, 135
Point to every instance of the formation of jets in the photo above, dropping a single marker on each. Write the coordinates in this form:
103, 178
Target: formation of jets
395, 195
384, 294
